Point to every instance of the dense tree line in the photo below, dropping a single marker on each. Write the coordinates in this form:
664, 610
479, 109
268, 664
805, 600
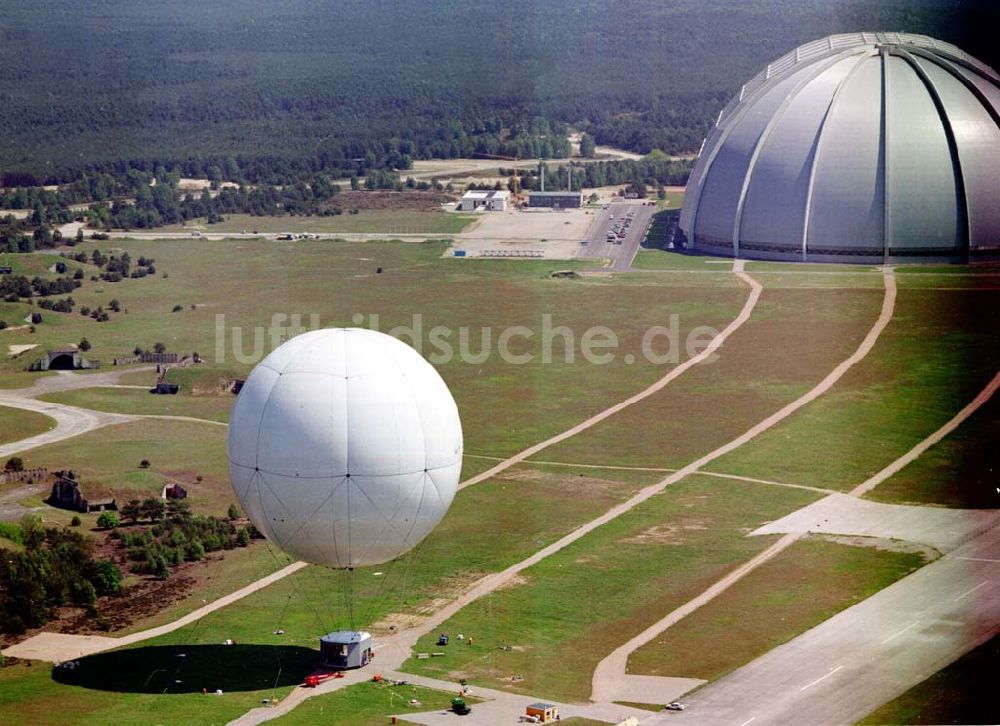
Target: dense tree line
15, 287
655, 169
271, 93
55, 568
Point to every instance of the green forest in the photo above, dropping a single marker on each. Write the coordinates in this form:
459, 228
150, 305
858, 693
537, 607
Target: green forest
272, 92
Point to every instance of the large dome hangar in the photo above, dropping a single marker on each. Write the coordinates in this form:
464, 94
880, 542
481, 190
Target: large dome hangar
864, 147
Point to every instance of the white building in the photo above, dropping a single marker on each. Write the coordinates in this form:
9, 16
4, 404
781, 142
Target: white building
493, 201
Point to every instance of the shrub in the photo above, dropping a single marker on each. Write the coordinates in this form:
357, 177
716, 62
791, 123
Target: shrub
177, 308
160, 568
195, 551
234, 512
107, 520
75, 522
84, 345
14, 463
144, 464
12, 531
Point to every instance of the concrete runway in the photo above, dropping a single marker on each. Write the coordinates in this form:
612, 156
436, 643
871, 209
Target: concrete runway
846, 667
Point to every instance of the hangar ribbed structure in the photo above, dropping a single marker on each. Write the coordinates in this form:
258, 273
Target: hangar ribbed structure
861, 147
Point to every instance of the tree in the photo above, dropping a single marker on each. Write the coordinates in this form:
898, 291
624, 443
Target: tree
33, 531
14, 463
160, 568
195, 551
587, 146
152, 509
159, 348
79, 235
144, 464
75, 522
131, 510
178, 510
87, 595
108, 578
84, 345
234, 512
107, 520
243, 538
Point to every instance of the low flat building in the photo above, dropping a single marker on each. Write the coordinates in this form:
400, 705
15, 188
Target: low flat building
345, 649
542, 712
556, 200
491, 200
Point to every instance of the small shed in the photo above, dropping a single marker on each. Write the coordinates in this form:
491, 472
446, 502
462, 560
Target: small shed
542, 712
345, 649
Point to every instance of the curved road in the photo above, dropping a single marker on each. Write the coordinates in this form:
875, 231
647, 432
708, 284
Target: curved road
70, 420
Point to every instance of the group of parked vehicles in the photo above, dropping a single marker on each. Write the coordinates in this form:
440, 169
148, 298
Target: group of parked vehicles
619, 229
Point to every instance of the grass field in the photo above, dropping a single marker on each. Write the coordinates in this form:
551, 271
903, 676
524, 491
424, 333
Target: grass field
368, 221
249, 282
114, 688
17, 424
31, 265
814, 330
807, 583
647, 259
566, 613
902, 392
456, 554
961, 693
21, 379
958, 471
368, 703
133, 401
313, 601
106, 461
572, 609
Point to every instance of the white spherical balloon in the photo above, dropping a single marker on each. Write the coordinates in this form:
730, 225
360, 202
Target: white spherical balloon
345, 447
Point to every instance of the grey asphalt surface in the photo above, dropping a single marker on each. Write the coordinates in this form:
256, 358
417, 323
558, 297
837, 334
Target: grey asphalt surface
597, 245
867, 655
